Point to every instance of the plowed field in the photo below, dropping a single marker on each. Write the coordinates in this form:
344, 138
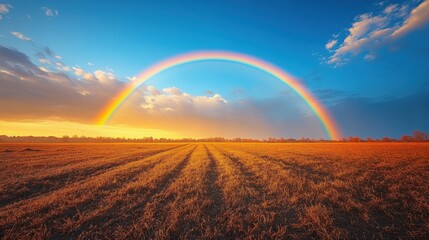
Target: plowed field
214, 191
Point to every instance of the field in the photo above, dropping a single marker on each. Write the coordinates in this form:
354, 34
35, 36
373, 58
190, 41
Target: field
214, 191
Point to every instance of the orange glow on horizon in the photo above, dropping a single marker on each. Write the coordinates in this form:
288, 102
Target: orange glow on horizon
59, 128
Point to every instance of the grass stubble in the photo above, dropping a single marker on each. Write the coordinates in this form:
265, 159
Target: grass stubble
214, 191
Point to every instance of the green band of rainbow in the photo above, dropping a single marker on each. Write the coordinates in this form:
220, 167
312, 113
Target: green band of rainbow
322, 113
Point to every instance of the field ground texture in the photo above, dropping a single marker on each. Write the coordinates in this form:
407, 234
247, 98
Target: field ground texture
214, 191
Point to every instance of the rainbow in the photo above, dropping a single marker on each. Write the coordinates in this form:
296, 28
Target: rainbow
321, 112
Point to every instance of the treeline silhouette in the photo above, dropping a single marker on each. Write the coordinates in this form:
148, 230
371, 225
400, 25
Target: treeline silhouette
416, 136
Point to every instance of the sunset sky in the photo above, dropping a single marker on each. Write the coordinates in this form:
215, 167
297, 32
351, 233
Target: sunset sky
366, 62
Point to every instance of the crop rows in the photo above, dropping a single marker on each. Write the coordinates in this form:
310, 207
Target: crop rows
214, 191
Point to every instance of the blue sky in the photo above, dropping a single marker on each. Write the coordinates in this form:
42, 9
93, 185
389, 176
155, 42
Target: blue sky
122, 38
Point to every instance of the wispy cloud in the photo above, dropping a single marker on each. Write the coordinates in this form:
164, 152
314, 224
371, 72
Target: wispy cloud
21, 36
370, 30
331, 44
4, 9
50, 12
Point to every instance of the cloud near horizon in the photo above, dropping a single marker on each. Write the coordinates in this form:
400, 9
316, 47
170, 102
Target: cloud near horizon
53, 91
371, 30
38, 96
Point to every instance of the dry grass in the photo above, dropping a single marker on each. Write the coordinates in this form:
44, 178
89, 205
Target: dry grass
214, 191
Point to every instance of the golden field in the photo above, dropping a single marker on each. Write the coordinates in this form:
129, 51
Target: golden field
214, 191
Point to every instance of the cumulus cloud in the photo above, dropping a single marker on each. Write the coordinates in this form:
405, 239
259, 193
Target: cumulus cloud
172, 109
28, 91
50, 12
174, 100
370, 30
105, 77
173, 91
418, 17
21, 36
78, 71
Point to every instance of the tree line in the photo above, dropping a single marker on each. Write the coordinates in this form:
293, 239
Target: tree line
416, 136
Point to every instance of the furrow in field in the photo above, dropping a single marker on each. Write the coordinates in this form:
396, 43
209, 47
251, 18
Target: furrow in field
305, 171
38, 156
214, 191
126, 205
250, 206
181, 208
56, 206
310, 166
297, 197
36, 185
22, 167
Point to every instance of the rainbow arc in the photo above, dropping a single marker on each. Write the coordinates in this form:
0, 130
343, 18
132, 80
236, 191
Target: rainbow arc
322, 113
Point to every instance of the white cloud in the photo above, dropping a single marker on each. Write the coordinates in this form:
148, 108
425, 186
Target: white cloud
99, 76
370, 57
62, 67
132, 79
104, 77
43, 69
173, 100
91, 64
4, 9
173, 91
371, 30
78, 71
153, 91
21, 36
88, 76
331, 44
50, 12
44, 61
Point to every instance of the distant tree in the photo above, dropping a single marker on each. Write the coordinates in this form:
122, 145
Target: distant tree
419, 136
354, 139
406, 138
386, 139
369, 139
66, 138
